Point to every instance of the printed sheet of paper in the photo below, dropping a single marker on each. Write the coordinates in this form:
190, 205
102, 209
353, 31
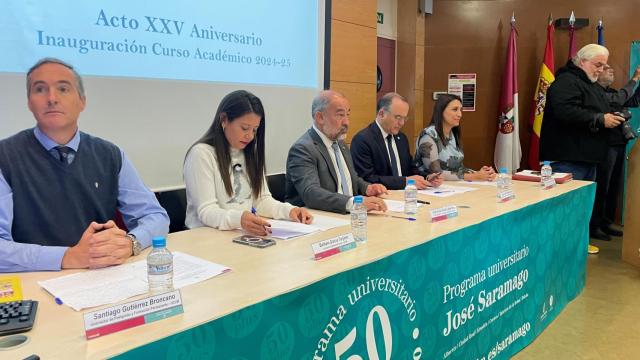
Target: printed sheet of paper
485, 183
282, 229
396, 205
114, 284
325, 223
446, 190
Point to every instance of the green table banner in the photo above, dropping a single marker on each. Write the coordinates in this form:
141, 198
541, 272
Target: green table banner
482, 292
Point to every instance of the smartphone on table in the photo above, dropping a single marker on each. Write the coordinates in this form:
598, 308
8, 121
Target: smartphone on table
254, 241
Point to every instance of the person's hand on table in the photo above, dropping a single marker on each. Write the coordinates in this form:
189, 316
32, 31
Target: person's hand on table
301, 215
254, 224
435, 179
376, 189
100, 245
373, 203
421, 182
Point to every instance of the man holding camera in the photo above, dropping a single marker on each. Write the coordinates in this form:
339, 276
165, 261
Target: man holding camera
609, 173
576, 117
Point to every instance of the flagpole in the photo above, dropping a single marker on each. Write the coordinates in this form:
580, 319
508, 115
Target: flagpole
572, 35
600, 32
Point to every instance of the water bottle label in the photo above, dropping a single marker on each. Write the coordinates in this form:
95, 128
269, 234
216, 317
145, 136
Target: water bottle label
548, 183
160, 269
506, 195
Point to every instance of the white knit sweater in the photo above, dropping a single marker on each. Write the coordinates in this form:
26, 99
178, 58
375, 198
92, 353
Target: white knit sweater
207, 201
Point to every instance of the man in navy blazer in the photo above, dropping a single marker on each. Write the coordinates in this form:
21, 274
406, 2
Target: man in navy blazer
381, 152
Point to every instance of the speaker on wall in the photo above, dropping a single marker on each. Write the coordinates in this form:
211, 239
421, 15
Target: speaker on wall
426, 6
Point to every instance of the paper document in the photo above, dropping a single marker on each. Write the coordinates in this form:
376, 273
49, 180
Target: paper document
446, 190
396, 205
114, 284
282, 229
486, 183
325, 223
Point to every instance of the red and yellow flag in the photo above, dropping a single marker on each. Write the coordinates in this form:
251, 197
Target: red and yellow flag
540, 98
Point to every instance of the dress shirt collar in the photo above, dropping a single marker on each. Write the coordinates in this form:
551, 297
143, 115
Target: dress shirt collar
384, 133
49, 144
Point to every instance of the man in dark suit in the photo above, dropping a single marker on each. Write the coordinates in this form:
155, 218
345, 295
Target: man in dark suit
381, 151
320, 173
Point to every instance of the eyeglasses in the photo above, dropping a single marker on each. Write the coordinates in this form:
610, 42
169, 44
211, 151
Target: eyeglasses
400, 118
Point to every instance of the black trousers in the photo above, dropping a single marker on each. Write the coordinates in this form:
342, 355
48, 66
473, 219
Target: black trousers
609, 183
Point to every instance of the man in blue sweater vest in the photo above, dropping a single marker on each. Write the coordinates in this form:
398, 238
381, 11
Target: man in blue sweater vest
60, 188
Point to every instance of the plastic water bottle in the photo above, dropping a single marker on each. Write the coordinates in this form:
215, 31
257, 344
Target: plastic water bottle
160, 267
503, 181
545, 172
359, 220
411, 198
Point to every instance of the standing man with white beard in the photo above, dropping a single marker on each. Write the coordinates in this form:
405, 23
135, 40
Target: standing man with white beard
573, 135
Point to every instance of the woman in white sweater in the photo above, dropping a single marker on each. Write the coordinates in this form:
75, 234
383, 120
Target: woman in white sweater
224, 172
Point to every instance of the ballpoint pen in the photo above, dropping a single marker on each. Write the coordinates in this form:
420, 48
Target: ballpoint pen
399, 217
267, 228
442, 191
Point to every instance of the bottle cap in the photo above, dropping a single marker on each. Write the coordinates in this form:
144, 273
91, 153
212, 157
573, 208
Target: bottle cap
546, 162
411, 182
159, 241
358, 199
503, 170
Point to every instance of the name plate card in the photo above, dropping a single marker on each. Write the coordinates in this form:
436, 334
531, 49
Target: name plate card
444, 213
124, 316
506, 195
336, 245
548, 183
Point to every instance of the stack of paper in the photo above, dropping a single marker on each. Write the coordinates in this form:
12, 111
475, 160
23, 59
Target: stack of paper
114, 284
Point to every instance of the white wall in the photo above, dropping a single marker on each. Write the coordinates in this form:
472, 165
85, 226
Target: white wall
389, 29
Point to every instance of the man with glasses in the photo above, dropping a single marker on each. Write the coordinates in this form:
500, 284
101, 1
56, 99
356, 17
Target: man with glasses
320, 172
381, 151
609, 174
577, 117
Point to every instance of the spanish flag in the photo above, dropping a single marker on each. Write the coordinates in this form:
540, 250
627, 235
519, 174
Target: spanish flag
540, 98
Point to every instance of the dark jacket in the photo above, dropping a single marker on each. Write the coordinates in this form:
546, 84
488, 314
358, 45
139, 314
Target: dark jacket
618, 100
573, 122
371, 159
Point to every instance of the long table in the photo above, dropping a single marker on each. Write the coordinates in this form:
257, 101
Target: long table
480, 285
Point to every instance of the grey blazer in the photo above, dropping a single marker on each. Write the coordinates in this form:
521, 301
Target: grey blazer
311, 177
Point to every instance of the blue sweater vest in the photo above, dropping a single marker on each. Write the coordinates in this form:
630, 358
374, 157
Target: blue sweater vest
53, 203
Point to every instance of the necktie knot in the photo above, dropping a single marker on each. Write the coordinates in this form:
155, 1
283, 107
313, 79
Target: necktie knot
63, 153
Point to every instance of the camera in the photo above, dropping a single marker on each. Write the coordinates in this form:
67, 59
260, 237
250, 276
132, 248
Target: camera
625, 127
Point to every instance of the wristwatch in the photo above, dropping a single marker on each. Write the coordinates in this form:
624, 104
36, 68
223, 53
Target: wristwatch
135, 245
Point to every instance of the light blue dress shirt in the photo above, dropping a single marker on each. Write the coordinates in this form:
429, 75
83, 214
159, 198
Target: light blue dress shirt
142, 214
